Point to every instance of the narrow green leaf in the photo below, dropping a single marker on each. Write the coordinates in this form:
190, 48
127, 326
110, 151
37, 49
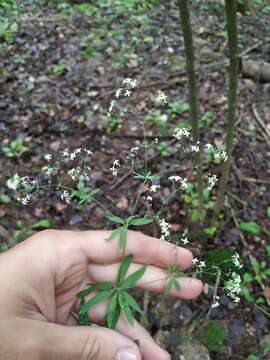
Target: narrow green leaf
132, 302
125, 264
96, 300
135, 306
247, 294
169, 286
116, 219
141, 221
94, 192
125, 308
129, 219
176, 284
113, 234
94, 287
131, 280
123, 237
113, 311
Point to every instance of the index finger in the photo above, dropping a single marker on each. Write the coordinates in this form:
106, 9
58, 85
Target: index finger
146, 249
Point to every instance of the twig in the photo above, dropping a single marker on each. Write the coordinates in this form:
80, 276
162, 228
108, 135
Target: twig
123, 178
265, 131
215, 294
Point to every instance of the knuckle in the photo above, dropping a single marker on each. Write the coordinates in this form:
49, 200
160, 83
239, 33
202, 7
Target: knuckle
92, 348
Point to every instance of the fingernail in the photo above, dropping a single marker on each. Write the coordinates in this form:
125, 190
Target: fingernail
126, 354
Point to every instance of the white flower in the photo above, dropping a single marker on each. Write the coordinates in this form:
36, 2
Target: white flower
179, 133
209, 146
233, 286
132, 83
211, 181
66, 196
118, 93
48, 157
48, 170
88, 152
115, 167
195, 148
175, 178
165, 232
237, 261
127, 92
65, 153
221, 156
184, 239
184, 184
154, 188
112, 105
216, 304
14, 182
26, 200
73, 155
161, 98
201, 265
194, 261
134, 150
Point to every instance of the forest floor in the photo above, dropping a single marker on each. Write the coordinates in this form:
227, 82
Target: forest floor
58, 76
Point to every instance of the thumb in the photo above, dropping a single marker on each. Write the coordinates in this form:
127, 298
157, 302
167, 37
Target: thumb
46, 341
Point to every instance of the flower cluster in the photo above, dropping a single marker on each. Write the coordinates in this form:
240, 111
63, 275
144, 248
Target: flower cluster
179, 133
233, 287
179, 179
165, 229
161, 98
115, 167
211, 181
26, 188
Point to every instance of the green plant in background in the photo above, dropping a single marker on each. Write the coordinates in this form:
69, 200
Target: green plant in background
112, 123
58, 69
15, 148
158, 120
9, 20
259, 274
119, 299
191, 198
23, 230
252, 357
85, 8
164, 148
213, 336
206, 119
177, 108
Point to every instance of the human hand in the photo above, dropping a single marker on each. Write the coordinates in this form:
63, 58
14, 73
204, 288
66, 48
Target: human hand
39, 282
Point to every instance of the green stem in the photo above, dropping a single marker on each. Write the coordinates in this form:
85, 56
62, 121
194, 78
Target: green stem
190, 66
231, 18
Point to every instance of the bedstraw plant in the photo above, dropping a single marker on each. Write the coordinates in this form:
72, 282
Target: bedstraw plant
68, 173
